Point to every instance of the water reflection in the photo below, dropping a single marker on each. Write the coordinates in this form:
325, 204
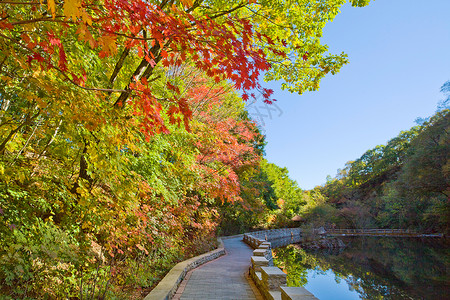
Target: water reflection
375, 267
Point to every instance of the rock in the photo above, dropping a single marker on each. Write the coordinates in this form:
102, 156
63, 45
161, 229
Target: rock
321, 230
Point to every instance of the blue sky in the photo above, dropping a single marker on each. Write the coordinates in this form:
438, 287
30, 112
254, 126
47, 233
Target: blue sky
399, 54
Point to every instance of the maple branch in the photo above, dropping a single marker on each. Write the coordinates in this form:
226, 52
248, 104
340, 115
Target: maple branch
87, 88
126, 35
22, 3
165, 2
118, 67
41, 20
124, 95
267, 19
241, 5
194, 6
64, 73
144, 70
154, 79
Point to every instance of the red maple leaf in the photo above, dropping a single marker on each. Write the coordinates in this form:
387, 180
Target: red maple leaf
305, 56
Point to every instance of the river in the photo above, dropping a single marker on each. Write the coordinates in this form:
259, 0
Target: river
371, 268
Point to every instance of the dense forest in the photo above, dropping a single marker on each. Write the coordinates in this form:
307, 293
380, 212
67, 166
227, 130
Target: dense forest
403, 184
124, 143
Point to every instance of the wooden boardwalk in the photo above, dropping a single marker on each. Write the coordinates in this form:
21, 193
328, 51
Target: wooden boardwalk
223, 278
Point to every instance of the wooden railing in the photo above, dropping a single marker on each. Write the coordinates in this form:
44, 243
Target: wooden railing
374, 231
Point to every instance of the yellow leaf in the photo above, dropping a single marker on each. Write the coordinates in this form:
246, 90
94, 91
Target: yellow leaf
72, 9
108, 44
85, 35
86, 225
52, 7
36, 73
86, 17
21, 177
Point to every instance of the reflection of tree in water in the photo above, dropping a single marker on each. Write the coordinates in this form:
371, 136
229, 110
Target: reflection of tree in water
376, 267
292, 261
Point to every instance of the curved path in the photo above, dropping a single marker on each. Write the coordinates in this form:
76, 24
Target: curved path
223, 278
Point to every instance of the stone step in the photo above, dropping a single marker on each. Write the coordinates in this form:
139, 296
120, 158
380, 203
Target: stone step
296, 293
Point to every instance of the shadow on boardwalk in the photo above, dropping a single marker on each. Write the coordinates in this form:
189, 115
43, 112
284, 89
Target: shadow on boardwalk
223, 278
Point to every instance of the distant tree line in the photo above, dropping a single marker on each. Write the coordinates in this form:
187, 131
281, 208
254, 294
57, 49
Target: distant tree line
403, 184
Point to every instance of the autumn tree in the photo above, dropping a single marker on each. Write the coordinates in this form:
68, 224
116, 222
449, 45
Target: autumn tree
234, 41
92, 185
